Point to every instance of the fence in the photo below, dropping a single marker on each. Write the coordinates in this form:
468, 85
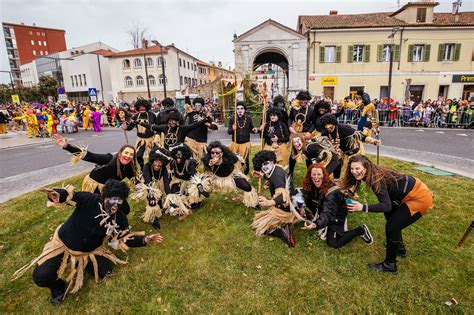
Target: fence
407, 117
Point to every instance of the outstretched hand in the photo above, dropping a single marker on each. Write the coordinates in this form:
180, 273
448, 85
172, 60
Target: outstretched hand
60, 141
153, 239
52, 194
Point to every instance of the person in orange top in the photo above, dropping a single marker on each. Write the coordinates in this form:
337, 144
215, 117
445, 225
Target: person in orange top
402, 198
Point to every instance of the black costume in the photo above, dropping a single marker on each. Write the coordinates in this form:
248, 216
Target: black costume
241, 138
320, 150
79, 244
173, 135
145, 136
329, 210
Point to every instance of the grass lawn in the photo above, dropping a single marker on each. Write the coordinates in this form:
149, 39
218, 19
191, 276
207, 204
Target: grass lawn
214, 263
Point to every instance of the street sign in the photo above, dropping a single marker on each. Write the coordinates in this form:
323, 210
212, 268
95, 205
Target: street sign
92, 92
61, 90
62, 97
15, 99
93, 98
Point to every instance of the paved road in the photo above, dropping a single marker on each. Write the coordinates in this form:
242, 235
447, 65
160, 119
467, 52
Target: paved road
29, 167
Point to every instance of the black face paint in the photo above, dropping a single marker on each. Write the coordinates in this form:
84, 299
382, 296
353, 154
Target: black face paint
112, 204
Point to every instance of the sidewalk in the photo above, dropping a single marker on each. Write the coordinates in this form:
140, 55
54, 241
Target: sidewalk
18, 139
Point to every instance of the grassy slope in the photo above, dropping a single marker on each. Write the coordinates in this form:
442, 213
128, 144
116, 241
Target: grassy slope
213, 262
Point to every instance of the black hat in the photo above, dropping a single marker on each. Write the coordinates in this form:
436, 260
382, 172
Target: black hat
303, 96
241, 103
167, 102
159, 154
274, 111
142, 102
173, 115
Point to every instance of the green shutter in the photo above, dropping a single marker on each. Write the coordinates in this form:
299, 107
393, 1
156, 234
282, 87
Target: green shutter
426, 55
321, 54
379, 53
457, 51
350, 54
396, 53
366, 53
410, 53
338, 54
440, 52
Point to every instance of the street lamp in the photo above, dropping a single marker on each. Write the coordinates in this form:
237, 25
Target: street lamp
145, 46
162, 64
390, 68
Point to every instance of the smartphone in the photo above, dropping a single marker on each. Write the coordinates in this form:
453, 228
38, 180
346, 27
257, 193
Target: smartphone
348, 200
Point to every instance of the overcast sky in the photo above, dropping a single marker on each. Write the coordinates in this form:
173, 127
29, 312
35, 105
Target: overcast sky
202, 28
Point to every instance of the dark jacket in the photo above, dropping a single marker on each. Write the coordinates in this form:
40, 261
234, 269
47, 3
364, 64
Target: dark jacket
243, 133
391, 196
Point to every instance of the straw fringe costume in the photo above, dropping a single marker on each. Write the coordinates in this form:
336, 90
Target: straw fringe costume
280, 147
278, 216
145, 137
78, 245
226, 175
240, 145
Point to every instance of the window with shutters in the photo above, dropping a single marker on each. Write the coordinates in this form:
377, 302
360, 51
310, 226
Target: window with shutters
329, 54
417, 53
149, 62
448, 54
137, 63
421, 15
386, 53
358, 53
151, 80
140, 80
128, 81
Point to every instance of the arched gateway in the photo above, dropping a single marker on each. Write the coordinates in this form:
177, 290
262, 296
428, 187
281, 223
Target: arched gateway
273, 43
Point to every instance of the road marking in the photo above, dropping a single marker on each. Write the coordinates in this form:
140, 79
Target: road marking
46, 146
439, 131
462, 134
420, 130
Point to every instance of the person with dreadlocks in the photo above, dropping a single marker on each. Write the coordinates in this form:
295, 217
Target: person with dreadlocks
173, 133
196, 139
279, 102
79, 244
108, 166
186, 183
145, 136
402, 198
223, 169
156, 185
168, 108
346, 141
321, 150
276, 137
276, 220
240, 132
328, 209
300, 121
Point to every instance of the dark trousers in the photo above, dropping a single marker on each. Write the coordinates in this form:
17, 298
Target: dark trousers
243, 184
397, 219
335, 240
140, 153
46, 274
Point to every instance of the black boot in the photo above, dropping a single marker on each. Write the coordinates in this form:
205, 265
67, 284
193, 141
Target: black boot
196, 206
57, 295
385, 267
285, 235
402, 251
202, 191
156, 224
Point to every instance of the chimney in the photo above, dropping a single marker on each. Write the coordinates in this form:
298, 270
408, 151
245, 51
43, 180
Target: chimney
219, 64
333, 12
456, 6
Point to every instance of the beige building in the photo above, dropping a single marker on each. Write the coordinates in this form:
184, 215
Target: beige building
432, 53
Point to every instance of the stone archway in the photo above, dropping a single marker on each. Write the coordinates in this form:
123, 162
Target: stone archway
272, 42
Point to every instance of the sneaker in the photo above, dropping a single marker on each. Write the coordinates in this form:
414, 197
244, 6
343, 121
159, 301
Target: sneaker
58, 299
384, 267
283, 236
289, 240
366, 236
402, 251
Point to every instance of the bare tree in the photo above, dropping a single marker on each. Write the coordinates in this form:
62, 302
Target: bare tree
137, 32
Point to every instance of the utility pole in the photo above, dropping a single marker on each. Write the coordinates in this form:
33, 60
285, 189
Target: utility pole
390, 68
145, 46
100, 77
162, 65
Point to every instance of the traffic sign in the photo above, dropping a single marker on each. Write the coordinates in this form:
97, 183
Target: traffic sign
92, 92
62, 97
61, 90
15, 99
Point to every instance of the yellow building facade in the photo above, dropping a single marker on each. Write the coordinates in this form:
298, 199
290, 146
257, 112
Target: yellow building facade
432, 53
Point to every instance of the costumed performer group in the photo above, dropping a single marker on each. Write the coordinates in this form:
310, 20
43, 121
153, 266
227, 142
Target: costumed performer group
173, 170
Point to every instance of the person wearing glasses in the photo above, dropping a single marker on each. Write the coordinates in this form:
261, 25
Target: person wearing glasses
224, 171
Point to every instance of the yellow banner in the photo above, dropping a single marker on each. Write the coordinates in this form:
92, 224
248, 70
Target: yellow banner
15, 99
230, 92
329, 81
